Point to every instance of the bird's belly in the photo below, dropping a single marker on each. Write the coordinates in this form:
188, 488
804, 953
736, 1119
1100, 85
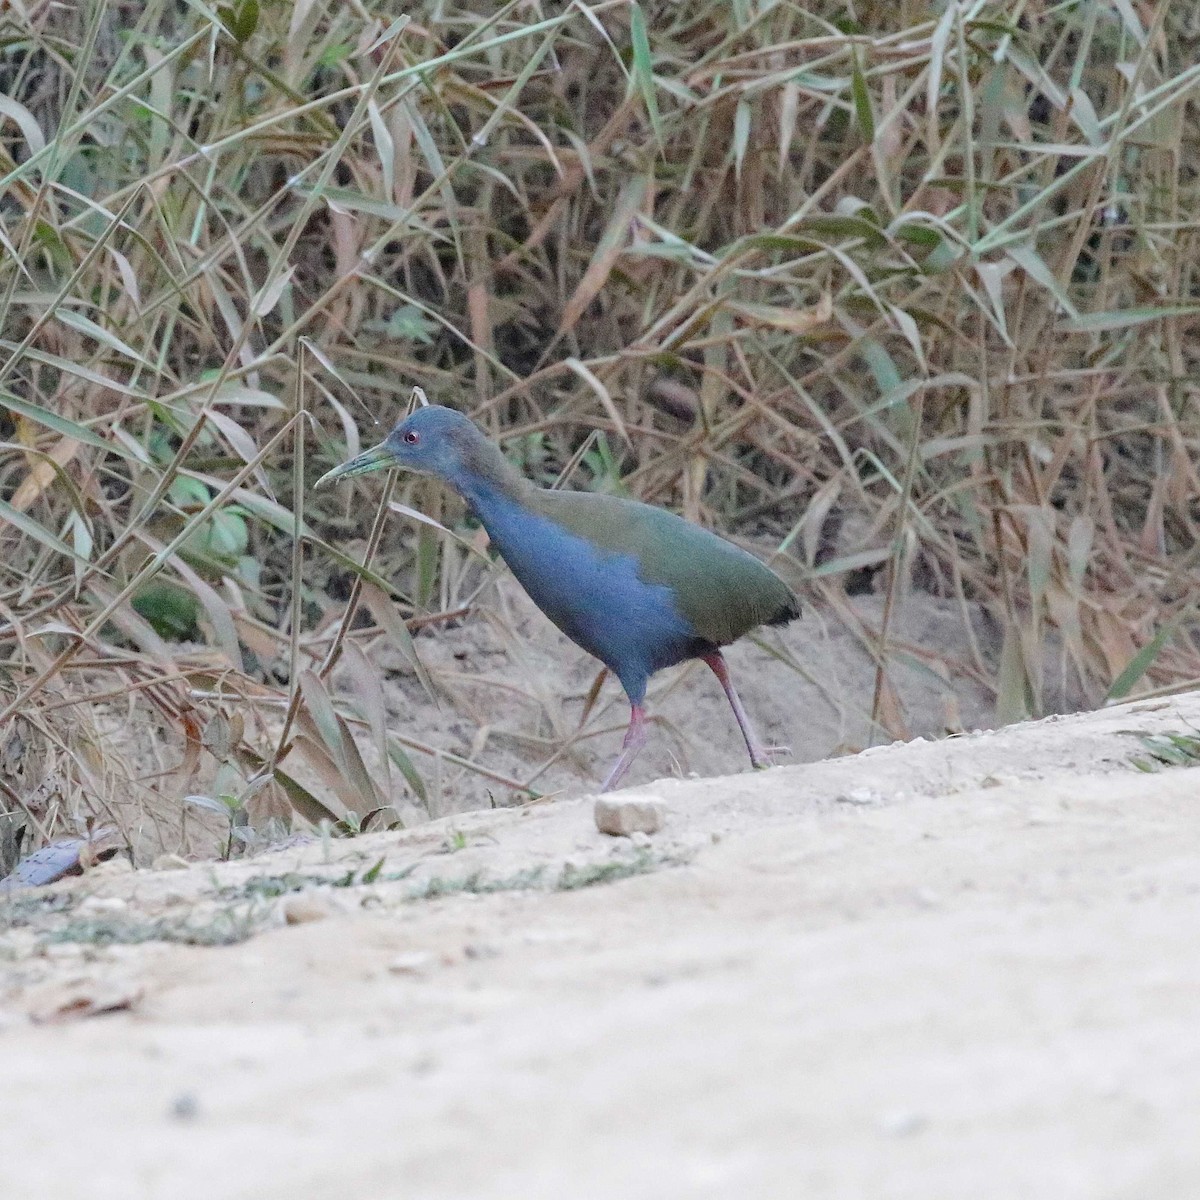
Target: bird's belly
597, 599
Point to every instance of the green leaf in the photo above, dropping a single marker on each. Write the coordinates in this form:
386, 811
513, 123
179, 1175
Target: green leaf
210, 804
241, 21
643, 67
63, 425
347, 200
303, 801
400, 757
1032, 263
171, 610
847, 226
68, 367
918, 235
89, 328
384, 611
1141, 662
862, 101
320, 708
31, 528
1126, 318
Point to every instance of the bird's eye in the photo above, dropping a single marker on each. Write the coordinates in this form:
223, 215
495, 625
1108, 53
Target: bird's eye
412, 437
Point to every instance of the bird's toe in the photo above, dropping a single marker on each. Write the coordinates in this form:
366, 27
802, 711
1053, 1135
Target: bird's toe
763, 756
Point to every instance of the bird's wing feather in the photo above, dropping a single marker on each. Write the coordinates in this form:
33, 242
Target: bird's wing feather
719, 588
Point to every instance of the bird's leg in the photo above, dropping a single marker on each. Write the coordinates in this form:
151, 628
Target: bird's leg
760, 755
635, 739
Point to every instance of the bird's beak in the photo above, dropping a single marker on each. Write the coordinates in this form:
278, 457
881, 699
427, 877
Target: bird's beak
369, 460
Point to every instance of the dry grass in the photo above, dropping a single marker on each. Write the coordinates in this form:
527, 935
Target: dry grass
909, 294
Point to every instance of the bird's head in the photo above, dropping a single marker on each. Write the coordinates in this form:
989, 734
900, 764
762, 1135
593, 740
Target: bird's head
432, 441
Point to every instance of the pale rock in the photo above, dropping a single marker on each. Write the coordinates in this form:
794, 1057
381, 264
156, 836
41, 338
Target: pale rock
170, 862
305, 907
416, 962
860, 795
623, 816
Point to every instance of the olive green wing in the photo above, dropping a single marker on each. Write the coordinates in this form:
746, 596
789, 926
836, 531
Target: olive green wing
723, 591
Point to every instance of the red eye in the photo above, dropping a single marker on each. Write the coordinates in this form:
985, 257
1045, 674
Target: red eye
412, 437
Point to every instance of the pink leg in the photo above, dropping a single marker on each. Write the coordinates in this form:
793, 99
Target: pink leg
635, 739
760, 755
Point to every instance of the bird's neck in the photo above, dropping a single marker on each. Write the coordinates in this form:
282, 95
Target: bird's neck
488, 481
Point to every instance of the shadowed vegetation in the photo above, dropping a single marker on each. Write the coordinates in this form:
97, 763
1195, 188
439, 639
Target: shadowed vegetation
904, 292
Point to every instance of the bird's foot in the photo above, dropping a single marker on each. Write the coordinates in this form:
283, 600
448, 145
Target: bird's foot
762, 757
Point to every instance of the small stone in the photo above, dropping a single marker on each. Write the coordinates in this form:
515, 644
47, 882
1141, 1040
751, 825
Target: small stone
477, 950
860, 795
414, 963
305, 907
998, 780
98, 905
170, 862
620, 816
640, 840
185, 1107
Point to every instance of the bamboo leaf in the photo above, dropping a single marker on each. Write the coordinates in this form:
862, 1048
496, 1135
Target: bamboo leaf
35, 139
89, 328
384, 611
863, 111
31, 528
1103, 322
643, 67
1032, 263
63, 425
365, 680
1141, 662
608, 249
588, 376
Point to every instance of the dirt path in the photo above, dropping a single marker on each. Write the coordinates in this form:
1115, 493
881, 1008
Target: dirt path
966, 968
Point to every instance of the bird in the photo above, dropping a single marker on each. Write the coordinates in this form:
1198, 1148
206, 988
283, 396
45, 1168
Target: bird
636, 586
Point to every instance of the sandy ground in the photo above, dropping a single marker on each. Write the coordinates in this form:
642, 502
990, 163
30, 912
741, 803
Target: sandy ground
968, 968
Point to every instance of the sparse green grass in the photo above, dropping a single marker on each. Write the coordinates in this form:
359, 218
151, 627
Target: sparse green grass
574, 876
1167, 750
270, 887
21, 909
244, 909
909, 291
225, 927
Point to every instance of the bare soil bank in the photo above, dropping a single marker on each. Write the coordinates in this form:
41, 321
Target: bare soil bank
964, 968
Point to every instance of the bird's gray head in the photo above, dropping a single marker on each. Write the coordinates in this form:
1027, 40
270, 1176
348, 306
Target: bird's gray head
432, 441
